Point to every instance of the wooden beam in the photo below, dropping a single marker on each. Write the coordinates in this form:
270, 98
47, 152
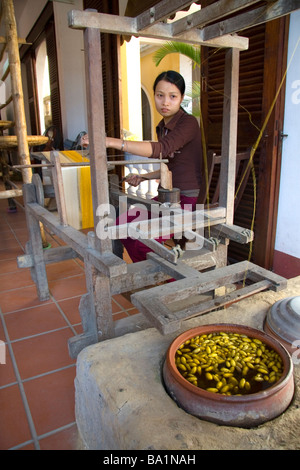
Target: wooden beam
96, 128
38, 270
53, 255
266, 13
160, 12
168, 224
113, 24
20, 40
212, 12
98, 285
107, 263
229, 133
11, 193
166, 306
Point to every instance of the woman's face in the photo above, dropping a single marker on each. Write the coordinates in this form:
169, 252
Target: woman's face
167, 99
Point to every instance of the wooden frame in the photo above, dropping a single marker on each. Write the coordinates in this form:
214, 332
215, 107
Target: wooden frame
105, 273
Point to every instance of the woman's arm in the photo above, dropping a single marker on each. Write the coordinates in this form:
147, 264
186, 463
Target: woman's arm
135, 179
144, 149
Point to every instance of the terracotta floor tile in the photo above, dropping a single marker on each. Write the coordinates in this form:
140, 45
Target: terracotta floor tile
2, 335
121, 300
51, 400
16, 222
9, 244
116, 307
70, 287
70, 307
78, 328
63, 269
119, 315
25, 297
43, 353
21, 278
27, 447
21, 234
14, 427
8, 265
133, 311
67, 439
34, 321
7, 373
6, 233
11, 253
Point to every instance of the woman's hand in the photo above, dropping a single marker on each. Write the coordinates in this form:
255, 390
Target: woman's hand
133, 179
84, 141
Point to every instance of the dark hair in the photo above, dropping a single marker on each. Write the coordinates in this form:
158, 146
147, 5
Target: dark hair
172, 77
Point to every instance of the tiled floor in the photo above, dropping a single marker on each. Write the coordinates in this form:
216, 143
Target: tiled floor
37, 379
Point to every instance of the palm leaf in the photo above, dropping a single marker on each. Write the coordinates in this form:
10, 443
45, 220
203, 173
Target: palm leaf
188, 50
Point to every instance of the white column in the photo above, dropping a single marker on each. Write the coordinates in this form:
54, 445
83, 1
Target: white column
134, 87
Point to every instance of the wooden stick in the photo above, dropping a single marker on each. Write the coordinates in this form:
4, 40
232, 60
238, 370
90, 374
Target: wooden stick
117, 162
11, 193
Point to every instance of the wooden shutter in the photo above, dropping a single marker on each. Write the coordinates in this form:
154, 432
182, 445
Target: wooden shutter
29, 62
53, 77
253, 108
43, 28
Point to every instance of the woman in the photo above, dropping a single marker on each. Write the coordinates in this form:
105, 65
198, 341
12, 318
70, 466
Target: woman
179, 141
179, 138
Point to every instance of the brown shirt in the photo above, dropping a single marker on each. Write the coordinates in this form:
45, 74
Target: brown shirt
180, 141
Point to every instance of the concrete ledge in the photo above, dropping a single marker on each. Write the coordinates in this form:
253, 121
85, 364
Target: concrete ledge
121, 402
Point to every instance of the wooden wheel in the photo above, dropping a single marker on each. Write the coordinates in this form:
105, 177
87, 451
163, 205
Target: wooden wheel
39, 189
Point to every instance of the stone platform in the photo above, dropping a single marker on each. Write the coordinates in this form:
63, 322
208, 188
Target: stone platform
121, 402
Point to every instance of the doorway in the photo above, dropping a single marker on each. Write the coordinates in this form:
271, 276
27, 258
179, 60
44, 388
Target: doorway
43, 87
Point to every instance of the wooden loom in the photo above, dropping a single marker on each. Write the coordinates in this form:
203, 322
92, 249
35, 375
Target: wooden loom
197, 272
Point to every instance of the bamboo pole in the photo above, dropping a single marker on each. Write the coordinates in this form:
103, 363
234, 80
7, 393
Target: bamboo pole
12, 42
16, 85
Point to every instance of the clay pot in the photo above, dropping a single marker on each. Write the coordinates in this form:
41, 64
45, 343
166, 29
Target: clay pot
245, 411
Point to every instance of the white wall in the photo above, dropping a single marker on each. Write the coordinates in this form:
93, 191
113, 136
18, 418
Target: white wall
26, 13
70, 63
288, 223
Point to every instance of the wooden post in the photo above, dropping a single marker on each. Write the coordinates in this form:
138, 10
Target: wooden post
16, 85
99, 289
96, 127
36, 245
229, 133
97, 283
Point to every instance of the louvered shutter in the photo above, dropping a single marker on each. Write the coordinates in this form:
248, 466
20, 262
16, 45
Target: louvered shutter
31, 93
249, 115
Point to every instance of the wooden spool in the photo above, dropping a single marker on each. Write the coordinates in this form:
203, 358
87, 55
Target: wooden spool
36, 180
